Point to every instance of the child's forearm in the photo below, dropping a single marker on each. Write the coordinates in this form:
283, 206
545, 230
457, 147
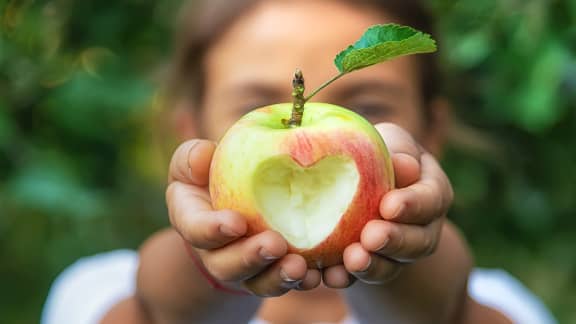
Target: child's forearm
432, 290
173, 290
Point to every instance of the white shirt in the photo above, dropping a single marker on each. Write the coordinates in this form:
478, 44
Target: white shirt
84, 292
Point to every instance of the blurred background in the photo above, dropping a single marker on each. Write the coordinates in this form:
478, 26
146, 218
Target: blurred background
83, 153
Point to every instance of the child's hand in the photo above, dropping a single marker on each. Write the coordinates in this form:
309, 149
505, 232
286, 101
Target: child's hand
412, 216
258, 264
412, 219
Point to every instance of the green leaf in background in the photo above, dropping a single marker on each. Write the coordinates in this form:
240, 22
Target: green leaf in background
537, 101
470, 49
381, 43
6, 125
49, 186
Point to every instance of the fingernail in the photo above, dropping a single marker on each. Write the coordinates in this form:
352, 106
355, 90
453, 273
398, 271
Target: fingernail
363, 271
190, 150
399, 211
193, 145
227, 231
285, 276
289, 282
267, 255
383, 245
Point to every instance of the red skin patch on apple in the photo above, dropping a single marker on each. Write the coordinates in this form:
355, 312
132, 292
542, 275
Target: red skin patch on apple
306, 148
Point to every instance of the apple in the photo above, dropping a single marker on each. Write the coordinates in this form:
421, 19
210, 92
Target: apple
318, 177
317, 184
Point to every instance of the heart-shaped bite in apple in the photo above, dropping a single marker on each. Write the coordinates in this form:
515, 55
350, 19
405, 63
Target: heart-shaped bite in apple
305, 204
317, 184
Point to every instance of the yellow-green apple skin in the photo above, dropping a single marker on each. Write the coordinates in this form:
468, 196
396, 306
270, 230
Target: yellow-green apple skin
317, 184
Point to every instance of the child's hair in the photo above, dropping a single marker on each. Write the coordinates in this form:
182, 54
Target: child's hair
202, 22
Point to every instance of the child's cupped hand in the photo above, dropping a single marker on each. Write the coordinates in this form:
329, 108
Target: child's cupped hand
410, 227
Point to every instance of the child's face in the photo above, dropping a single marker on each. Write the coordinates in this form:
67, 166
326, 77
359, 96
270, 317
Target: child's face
252, 65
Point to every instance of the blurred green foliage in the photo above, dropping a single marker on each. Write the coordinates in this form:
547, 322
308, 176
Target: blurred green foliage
82, 168
511, 73
80, 171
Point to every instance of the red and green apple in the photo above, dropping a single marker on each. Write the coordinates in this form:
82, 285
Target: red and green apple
317, 184
318, 177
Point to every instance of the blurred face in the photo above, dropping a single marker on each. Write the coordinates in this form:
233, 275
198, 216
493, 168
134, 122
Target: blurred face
252, 65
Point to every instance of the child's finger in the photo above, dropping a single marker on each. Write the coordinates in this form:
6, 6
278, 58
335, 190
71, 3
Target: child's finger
422, 202
192, 216
284, 275
406, 169
245, 258
401, 242
404, 151
398, 140
337, 277
368, 267
311, 280
191, 162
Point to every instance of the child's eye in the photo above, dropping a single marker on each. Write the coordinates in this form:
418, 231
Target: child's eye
373, 111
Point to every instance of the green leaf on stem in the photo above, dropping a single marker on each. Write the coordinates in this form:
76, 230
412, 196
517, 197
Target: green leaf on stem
381, 43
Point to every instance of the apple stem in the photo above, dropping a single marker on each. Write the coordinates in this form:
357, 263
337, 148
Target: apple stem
324, 85
298, 101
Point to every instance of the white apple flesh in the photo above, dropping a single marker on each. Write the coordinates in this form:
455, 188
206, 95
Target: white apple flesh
317, 184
